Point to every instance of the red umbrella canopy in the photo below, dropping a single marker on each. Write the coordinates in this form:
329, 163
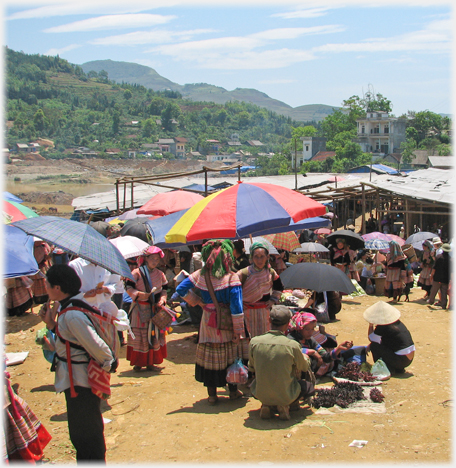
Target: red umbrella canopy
241, 210
335, 179
166, 203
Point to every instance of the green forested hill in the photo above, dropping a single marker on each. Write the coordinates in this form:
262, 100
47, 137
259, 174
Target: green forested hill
138, 74
49, 97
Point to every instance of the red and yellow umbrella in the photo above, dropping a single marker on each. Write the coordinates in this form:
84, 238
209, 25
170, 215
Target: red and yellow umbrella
241, 210
284, 240
13, 211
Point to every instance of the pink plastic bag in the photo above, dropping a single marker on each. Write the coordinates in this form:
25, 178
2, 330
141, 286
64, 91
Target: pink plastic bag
237, 373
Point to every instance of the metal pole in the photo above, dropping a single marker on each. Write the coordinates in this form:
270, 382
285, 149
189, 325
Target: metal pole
296, 166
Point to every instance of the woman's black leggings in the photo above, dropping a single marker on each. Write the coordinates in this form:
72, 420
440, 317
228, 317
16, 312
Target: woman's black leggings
394, 361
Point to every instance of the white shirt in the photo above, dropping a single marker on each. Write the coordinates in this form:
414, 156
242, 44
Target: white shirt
90, 275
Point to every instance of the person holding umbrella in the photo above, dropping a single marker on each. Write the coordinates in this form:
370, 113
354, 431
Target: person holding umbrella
261, 289
389, 338
144, 350
217, 348
339, 255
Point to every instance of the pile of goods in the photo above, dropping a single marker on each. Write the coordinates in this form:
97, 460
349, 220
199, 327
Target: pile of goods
354, 371
344, 394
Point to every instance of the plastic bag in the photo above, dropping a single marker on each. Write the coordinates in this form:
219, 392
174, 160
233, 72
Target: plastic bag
237, 373
380, 370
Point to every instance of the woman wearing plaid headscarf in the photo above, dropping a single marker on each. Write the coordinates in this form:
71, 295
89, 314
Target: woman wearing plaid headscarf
216, 349
395, 263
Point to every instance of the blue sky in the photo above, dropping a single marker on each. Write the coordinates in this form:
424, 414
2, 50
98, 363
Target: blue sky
299, 52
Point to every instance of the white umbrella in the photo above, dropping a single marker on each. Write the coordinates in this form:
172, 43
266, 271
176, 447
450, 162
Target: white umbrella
311, 247
129, 246
249, 241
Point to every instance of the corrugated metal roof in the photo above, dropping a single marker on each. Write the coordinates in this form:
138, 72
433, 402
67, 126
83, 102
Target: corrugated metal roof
425, 184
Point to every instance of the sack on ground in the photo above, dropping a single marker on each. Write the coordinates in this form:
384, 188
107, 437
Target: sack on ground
237, 373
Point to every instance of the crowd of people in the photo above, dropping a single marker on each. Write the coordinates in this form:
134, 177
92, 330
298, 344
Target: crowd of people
234, 299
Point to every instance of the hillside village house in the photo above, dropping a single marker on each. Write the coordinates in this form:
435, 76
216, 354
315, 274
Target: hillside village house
226, 158
380, 134
310, 147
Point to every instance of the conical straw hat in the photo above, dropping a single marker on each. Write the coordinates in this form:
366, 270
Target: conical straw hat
381, 313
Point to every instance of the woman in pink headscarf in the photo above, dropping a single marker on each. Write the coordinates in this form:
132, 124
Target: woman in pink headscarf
302, 328
148, 347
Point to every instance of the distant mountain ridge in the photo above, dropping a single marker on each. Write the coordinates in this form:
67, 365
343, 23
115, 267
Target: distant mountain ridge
134, 73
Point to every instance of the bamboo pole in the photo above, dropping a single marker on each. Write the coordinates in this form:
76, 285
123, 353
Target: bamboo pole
363, 212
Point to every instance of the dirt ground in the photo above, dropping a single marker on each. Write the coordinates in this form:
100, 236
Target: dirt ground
160, 417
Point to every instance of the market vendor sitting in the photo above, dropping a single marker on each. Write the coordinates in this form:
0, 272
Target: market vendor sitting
389, 338
301, 329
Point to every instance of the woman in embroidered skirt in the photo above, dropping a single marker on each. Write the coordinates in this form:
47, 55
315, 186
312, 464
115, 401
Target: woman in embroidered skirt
41, 252
395, 263
261, 289
149, 345
19, 296
427, 263
340, 256
352, 269
24, 437
216, 349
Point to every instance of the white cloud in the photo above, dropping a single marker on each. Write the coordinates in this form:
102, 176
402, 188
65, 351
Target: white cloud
308, 13
61, 51
293, 33
435, 37
111, 22
233, 54
149, 37
63, 8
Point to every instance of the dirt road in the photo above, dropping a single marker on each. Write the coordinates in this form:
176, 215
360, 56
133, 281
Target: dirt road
158, 417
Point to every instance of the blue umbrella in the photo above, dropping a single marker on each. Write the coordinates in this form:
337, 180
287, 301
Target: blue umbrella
19, 258
10, 197
79, 239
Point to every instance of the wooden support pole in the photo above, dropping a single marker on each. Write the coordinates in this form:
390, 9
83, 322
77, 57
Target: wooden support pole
117, 197
124, 195
363, 212
131, 195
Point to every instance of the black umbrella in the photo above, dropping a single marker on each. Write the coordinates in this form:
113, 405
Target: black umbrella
101, 227
355, 241
317, 277
137, 227
420, 236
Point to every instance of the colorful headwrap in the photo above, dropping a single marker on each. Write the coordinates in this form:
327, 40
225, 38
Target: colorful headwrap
217, 255
149, 251
429, 245
396, 253
259, 245
300, 320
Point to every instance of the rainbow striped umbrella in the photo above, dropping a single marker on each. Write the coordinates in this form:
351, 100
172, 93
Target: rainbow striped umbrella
243, 209
13, 211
